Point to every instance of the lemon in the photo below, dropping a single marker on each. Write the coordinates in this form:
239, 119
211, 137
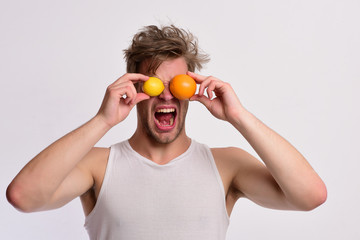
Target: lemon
153, 87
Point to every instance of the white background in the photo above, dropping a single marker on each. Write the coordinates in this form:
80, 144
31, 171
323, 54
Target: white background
294, 64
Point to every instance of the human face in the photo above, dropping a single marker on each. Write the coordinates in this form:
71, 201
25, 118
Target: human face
162, 118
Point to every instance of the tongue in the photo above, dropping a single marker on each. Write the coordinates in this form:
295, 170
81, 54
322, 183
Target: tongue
164, 118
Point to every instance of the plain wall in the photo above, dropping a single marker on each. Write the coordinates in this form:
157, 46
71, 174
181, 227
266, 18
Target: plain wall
294, 64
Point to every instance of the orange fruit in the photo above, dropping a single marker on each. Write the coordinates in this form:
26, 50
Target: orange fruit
182, 86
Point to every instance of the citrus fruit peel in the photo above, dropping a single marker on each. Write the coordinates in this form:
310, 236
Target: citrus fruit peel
153, 87
182, 86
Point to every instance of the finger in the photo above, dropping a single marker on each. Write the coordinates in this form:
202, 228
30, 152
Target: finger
140, 97
203, 99
131, 94
125, 90
133, 77
212, 86
209, 93
197, 77
203, 86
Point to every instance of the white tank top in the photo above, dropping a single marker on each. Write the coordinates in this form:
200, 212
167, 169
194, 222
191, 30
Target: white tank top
142, 200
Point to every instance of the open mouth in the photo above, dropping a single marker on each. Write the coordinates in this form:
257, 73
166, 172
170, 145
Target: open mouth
165, 118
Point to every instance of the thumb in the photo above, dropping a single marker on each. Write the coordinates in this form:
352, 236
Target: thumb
140, 97
203, 99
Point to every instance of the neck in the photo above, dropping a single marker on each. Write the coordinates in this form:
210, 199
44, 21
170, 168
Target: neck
160, 153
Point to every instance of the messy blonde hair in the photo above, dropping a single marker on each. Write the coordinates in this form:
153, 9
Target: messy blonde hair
156, 45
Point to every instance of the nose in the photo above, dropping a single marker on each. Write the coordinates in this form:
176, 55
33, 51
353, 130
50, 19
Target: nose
166, 94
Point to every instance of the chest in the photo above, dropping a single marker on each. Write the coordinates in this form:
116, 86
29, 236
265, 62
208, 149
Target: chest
153, 195
181, 200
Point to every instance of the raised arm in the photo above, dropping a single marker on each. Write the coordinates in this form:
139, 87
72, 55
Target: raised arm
287, 181
62, 171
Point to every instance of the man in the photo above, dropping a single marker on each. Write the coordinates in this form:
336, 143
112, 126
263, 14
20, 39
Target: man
160, 184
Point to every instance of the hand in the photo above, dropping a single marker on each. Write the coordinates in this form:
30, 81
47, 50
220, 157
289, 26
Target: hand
225, 105
120, 98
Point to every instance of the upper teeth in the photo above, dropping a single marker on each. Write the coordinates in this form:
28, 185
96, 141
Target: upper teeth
166, 110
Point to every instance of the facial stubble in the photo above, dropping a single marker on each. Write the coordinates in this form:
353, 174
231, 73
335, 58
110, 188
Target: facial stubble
145, 118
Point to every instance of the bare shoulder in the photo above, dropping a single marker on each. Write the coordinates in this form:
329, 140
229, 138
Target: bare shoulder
95, 163
235, 164
231, 158
229, 161
95, 158
248, 177
229, 153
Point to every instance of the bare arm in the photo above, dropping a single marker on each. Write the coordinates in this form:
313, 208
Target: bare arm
33, 188
61, 171
287, 180
301, 186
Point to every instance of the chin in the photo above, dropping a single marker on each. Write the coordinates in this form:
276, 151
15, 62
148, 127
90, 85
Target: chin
160, 138
163, 137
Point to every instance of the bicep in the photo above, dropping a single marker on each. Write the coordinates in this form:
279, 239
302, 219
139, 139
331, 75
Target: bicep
78, 181
254, 181
74, 185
